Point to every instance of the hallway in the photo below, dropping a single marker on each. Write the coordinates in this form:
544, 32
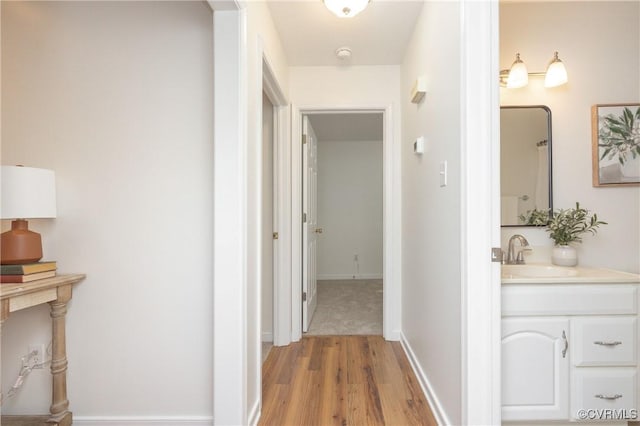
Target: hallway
341, 380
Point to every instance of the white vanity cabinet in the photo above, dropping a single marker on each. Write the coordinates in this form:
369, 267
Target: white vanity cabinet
535, 368
568, 347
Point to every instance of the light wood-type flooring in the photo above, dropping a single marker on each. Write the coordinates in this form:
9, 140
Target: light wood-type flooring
341, 380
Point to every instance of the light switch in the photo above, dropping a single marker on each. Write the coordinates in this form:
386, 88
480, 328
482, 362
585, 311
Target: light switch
418, 145
443, 173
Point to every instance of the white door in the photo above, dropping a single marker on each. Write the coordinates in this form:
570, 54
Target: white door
310, 228
535, 369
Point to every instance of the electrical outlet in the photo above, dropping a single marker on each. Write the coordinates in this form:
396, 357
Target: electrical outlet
39, 358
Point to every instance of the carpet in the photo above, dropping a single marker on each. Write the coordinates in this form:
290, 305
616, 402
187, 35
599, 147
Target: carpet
348, 307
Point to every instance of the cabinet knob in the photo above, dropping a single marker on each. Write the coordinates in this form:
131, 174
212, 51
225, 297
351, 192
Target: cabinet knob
608, 397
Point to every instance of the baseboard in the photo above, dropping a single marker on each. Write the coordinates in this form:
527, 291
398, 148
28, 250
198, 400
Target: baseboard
142, 421
267, 336
393, 336
254, 414
432, 398
329, 277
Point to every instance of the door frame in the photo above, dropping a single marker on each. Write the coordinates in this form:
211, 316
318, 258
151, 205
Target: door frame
282, 201
390, 216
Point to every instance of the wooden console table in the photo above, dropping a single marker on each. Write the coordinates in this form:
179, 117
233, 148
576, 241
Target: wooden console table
56, 292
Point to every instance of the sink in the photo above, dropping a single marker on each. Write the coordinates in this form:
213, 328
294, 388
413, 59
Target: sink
537, 271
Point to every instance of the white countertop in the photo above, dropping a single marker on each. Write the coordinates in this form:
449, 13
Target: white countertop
550, 274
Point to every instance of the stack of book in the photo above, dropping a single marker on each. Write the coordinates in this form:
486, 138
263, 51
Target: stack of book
27, 272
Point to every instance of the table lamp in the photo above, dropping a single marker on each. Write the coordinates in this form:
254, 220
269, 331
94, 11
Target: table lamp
27, 193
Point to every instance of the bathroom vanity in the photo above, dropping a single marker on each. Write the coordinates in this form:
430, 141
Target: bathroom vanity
570, 344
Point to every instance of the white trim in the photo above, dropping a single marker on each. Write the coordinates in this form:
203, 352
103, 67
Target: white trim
142, 420
230, 219
480, 227
296, 225
434, 403
282, 179
329, 277
391, 216
282, 287
254, 413
267, 336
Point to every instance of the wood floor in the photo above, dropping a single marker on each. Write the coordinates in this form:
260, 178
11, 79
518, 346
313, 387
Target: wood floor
341, 380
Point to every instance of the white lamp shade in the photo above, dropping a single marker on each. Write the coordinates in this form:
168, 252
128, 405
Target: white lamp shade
27, 193
556, 74
518, 75
346, 8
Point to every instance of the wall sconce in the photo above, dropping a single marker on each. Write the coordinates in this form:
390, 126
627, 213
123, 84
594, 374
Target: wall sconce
518, 76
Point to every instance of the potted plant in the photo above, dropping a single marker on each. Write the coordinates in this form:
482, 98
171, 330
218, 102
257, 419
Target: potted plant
566, 227
620, 136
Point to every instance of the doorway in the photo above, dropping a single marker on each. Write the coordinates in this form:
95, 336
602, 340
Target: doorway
342, 230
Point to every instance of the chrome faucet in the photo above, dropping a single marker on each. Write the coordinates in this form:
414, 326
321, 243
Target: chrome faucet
512, 258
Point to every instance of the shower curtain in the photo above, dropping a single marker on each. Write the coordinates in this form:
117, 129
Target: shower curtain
542, 180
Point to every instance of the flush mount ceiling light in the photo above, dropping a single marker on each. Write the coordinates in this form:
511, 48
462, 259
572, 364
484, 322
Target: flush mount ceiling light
518, 76
346, 8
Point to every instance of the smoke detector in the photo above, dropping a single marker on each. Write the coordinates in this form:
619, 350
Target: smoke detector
343, 53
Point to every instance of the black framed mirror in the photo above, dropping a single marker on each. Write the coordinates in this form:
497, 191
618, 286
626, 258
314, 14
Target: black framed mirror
526, 190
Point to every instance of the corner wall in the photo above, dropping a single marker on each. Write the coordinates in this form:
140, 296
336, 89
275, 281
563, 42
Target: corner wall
599, 42
261, 38
117, 98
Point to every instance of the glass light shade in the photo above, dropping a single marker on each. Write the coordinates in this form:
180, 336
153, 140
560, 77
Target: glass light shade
346, 8
27, 193
556, 74
518, 74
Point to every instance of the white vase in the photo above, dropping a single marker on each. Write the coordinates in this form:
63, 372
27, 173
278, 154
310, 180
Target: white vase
563, 255
631, 167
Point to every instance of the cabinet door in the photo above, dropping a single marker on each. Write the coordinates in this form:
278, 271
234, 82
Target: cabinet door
535, 369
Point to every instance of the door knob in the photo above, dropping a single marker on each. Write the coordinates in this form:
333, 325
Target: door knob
319, 230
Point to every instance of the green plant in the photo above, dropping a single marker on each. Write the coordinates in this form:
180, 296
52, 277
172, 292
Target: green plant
535, 217
620, 135
567, 226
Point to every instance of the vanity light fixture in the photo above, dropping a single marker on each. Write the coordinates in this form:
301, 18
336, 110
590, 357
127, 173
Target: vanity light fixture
556, 74
346, 8
518, 76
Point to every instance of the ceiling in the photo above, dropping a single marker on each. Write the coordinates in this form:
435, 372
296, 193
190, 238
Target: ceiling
341, 127
310, 33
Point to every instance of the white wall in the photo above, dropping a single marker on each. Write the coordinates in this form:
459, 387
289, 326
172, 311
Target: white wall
350, 209
599, 44
431, 215
117, 99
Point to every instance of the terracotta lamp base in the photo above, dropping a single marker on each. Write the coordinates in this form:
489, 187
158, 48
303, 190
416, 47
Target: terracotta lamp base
19, 245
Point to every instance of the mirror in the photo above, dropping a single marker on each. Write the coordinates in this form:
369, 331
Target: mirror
525, 164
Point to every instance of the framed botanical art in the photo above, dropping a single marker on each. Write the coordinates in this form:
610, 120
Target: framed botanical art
615, 144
